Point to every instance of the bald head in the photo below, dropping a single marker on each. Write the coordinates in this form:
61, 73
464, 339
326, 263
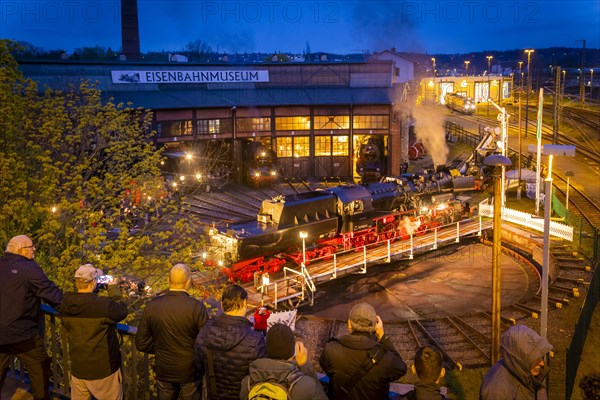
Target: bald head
180, 277
21, 245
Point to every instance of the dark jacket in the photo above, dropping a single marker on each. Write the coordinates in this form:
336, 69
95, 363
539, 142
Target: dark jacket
306, 385
343, 356
510, 378
234, 345
425, 391
23, 285
91, 324
168, 329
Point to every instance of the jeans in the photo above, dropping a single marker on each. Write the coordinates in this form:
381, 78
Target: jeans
33, 356
171, 391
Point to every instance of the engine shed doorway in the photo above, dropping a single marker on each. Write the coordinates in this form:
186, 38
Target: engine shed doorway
332, 156
370, 157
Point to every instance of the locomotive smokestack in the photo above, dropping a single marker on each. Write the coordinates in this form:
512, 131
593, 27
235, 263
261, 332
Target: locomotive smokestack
130, 33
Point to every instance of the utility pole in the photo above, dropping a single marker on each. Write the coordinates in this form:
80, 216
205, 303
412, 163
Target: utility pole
528, 51
489, 58
557, 104
581, 78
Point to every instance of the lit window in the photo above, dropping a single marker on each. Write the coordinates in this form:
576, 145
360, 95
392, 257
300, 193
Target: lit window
331, 122
371, 121
299, 123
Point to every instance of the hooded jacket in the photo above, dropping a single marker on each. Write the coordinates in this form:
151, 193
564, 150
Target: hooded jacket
23, 285
305, 387
510, 378
168, 329
343, 356
90, 321
233, 345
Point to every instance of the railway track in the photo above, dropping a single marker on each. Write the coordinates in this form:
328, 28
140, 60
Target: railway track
585, 206
464, 341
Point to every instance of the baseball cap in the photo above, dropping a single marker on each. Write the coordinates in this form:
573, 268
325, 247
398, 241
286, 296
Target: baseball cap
363, 317
87, 273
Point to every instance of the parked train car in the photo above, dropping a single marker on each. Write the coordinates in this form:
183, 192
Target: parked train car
334, 219
459, 103
371, 162
259, 164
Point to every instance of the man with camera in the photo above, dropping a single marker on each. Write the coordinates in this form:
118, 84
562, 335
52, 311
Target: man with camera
90, 321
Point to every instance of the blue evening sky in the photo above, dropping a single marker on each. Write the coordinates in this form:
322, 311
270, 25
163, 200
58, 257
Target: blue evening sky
330, 26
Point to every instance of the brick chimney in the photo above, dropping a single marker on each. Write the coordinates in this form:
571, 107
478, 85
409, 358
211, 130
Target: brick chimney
130, 33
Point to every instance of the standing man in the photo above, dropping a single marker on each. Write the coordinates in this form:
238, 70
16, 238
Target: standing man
521, 372
91, 324
227, 345
23, 285
362, 365
168, 329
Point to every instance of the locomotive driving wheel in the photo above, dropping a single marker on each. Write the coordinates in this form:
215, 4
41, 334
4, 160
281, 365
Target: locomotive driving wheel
388, 232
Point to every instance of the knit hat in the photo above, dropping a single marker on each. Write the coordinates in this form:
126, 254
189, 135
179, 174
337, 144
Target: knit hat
87, 273
363, 318
280, 342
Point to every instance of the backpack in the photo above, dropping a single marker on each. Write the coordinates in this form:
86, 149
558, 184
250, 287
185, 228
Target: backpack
274, 390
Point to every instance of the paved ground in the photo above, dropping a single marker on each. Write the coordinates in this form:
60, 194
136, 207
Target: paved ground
435, 286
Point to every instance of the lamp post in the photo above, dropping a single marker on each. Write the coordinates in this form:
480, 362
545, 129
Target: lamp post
467, 62
303, 236
591, 83
528, 51
498, 162
489, 58
434, 87
549, 150
521, 72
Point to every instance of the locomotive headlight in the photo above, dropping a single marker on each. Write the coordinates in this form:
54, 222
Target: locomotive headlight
182, 178
257, 174
198, 176
273, 173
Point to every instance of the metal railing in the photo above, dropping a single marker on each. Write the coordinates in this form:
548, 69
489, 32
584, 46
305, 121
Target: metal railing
575, 348
135, 366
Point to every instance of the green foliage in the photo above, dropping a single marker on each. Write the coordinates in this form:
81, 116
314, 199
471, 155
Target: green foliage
81, 177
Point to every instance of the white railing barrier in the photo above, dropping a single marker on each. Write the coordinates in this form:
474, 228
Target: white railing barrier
557, 229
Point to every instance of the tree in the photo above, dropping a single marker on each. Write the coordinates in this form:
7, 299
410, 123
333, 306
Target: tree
81, 177
198, 50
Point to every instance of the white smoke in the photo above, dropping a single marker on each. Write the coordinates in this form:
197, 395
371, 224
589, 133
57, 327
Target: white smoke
429, 128
410, 225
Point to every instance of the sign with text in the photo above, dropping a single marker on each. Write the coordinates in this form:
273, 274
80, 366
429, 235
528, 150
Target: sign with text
189, 76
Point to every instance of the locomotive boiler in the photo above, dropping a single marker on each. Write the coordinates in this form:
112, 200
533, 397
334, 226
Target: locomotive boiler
334, 219
371, 163
259, 164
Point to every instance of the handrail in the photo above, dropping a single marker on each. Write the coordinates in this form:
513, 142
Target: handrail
135, 367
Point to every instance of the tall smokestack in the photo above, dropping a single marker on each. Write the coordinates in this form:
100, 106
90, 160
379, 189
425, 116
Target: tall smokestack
130, 33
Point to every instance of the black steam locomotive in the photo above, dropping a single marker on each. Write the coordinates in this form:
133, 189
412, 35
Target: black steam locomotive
371, 163
459, 103
259, 164
334, 219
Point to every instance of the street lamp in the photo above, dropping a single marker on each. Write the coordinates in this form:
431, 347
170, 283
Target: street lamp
467, 62
591, 83
521, 71
489, 58
303, 236
498, 162
528, 51
434, 87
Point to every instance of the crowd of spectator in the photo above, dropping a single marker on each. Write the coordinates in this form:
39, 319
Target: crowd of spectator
225, 357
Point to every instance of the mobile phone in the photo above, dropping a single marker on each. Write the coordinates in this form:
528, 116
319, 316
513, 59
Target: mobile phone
104, 279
